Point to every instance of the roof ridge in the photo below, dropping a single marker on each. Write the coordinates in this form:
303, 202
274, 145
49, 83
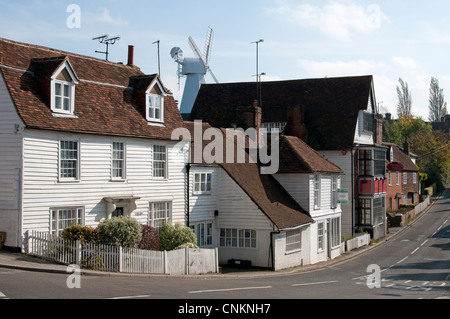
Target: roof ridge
66, 53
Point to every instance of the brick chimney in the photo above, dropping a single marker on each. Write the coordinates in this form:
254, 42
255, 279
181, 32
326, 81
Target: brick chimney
406, 147
377, 131
296, 122
249, 116
130, 55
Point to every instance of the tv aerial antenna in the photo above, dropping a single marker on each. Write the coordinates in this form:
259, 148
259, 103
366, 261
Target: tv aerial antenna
105, 39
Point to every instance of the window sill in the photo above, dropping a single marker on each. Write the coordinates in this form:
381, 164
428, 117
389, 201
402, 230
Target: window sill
293, 252
64, 115
159, 124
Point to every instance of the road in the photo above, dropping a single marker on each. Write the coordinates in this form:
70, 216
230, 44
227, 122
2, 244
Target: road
413, 265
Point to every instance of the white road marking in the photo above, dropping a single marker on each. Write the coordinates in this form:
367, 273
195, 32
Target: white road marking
228, 289
314, 283
131, 297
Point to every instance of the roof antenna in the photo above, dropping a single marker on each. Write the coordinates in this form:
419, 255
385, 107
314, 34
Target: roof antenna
104, 39
159, 59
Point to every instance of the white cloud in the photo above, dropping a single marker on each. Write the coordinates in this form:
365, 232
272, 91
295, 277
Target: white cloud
104, 17
335, 19
405, 62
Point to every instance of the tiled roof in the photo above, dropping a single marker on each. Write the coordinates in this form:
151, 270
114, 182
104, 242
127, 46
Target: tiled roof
297, 157
105, 101
330, 105
264, 190
402, 158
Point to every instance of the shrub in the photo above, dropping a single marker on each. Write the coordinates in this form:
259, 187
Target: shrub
120, 231
79, 232
150, 238
173, 236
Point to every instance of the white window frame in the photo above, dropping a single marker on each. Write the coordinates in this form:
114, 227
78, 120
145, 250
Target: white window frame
320, 236
397, 178
118, 163
60, 159
237, 238
159, 221
335, 224
334, 188
151, 105
201, 185
204, 232
56, 219
155, 161
414, 178
293, 240
405, 178
390, 178
69, 97
317, 184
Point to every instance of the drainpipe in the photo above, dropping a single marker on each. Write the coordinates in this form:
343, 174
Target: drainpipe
272, 249
353, 190
188, 169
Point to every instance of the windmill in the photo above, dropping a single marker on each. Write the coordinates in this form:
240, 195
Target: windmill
194, 69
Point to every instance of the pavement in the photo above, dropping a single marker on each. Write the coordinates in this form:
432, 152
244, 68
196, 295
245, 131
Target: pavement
16, 260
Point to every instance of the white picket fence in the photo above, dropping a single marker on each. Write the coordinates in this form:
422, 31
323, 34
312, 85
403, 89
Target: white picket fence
183, 261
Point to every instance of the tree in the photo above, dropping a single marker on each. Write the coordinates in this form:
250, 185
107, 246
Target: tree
405, 127
437, 106
120, 231
404, 100
173, 236
434, 156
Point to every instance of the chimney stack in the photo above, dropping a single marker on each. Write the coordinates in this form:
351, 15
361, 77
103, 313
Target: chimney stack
378, 131
406, 146
296, 122
130, 55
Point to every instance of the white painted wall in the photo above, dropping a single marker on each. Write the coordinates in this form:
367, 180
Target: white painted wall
10, 167
43, 190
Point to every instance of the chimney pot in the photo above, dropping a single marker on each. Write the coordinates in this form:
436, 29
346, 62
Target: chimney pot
130, 55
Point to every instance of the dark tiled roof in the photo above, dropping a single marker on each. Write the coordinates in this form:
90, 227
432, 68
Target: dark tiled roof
331, 106
104, 101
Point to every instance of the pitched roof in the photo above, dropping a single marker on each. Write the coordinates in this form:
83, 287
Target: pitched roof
402, 158
297, 157
331, 106
271, 198
264, 190
105, 100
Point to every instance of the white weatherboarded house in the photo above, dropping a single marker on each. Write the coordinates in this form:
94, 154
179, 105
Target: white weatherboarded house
83, 140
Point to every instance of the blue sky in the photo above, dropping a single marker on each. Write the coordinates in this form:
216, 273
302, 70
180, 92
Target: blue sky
302, 38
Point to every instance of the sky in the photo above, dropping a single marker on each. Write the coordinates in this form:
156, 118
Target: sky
302, 38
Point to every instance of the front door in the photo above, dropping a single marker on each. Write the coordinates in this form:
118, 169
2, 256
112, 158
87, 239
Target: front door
121, 210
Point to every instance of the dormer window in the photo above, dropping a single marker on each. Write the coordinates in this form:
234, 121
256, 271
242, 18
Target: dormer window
63, 97
155, 102
62, 86
155, 109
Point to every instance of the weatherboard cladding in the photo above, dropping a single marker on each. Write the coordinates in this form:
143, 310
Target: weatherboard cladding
105, 101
